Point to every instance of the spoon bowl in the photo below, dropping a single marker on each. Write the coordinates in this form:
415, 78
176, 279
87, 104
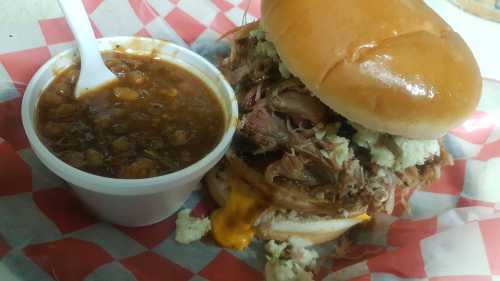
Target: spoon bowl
93, 72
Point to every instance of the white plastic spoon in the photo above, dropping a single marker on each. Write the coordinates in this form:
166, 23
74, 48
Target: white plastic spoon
93, 72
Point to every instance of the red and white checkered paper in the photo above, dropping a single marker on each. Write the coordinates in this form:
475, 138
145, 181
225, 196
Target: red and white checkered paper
452, 232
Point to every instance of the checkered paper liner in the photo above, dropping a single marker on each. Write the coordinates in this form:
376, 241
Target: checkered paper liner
452, 232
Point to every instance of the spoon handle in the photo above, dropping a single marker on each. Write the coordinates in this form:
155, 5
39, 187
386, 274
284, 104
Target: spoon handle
78, 21
93, 71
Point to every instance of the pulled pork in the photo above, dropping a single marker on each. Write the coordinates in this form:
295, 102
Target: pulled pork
308, 147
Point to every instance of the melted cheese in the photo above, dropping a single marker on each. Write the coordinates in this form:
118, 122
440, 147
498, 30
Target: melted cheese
232, 225
363, 217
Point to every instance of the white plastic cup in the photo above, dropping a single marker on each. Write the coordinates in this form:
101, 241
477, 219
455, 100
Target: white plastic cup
133, 202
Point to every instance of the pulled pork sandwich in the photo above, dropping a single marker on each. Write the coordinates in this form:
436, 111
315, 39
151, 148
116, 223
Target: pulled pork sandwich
342, 103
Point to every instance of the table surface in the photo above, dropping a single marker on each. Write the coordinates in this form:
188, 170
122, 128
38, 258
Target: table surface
42, 238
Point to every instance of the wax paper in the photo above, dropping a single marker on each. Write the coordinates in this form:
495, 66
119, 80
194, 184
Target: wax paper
450, 232
488, 9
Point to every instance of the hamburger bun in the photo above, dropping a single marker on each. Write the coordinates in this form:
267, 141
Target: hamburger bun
281, 224
389, 65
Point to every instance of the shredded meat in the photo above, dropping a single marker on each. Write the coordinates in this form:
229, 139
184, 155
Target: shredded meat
424, 175
252, 96
264, 128
286, 197
292, 167
283, 119
298, 106
239, 73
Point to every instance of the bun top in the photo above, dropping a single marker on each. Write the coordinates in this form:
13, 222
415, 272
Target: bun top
392, 66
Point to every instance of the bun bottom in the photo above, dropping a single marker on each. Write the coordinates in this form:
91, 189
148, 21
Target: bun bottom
282, 224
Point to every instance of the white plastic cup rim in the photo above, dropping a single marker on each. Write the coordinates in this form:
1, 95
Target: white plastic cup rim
115, 186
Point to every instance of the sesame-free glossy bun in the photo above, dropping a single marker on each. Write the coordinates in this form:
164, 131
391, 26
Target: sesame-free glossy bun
392, 66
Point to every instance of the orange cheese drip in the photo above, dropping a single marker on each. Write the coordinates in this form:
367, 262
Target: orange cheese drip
232, 225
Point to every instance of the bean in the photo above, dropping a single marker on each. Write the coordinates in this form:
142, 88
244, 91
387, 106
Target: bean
121, 144
53, 129
120, 128
140, 168
73, 158
94, 158
140, 119
136, 77
125, 94
156, 108
180, 137
118, 112
117, 66
63, 111
102, 121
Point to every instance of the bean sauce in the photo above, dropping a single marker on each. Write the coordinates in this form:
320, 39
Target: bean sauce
158, 118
